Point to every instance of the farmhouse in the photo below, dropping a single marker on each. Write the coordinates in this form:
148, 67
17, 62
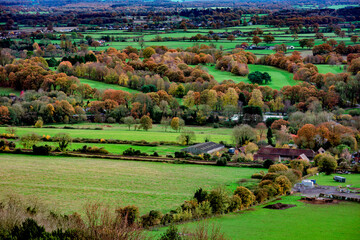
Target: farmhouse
283, 154
207, 147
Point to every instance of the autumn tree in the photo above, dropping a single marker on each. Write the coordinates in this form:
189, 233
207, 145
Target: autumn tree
146, 122
4, 115
243, 134
354, 38
231, 38
175, 123
269, 38
256, 40
148, 52
231, 97
256, 99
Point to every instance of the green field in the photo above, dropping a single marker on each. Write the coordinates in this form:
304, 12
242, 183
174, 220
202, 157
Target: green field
120, 148
327, 180
7, 91
117, 131
324, 68
104, 86
280, 78
66, 184
305, 221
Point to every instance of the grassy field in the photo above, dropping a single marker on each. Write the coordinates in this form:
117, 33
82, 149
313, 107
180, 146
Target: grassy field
305, 221
324, 68
117, 131
120, 148
66, 184
280, 78
104, 86
351, 179
7, 91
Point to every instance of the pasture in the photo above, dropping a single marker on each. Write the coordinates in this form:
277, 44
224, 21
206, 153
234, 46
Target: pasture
327, 180
305, 221
121, 132
103, 86
66, 184
279, 77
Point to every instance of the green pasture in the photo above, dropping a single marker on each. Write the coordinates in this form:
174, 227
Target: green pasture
327, 180
120, 148
117, 131
7, 91
325, 68
67, 184
104, 86
305, 221
280, 78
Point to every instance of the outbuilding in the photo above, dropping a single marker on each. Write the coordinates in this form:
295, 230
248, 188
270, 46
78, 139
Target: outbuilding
207, 147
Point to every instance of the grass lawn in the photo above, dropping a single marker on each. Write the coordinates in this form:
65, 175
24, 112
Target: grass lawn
116, 131
305, 221
325, 68
66, 184
104, 86
280, 78
327, 180
7, 91
120, 148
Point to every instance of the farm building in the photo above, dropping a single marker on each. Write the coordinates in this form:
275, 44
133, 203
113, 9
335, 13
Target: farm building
279, 154
207, 147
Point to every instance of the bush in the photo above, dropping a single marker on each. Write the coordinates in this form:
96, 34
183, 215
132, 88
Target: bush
131, 152
312, 171
219, 200
267, 163
270, 176
246, 196
261, 194
284, 183
257, 176
180, 154
200, 195
235, 203
327, 164
277, 168
94, 150
129, 214
171, 233
41, 150
221, 161
151, 219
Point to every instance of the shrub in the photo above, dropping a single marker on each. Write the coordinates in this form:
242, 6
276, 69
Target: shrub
151, 219
129, 214
267, 163
200, 195
261, 194
312, 171
39, 123
257, 176
180, 154
221, 161
41, 150
131, 152
277, 168
246, 196
171, 233
270, 176
284, 183
219, 200
235, 203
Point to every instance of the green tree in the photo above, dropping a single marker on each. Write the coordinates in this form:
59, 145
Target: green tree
187, 137
269, 136
175, 123
146, 122
129, 121
327, 164
243, 134
63, 140
29, 140
172, 233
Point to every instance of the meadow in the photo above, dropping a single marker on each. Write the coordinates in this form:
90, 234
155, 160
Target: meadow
65, 184
103, 86
305, 221
327, 180
279, 77
121, 132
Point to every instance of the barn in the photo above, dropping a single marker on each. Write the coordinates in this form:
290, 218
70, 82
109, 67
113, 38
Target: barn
207, 147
